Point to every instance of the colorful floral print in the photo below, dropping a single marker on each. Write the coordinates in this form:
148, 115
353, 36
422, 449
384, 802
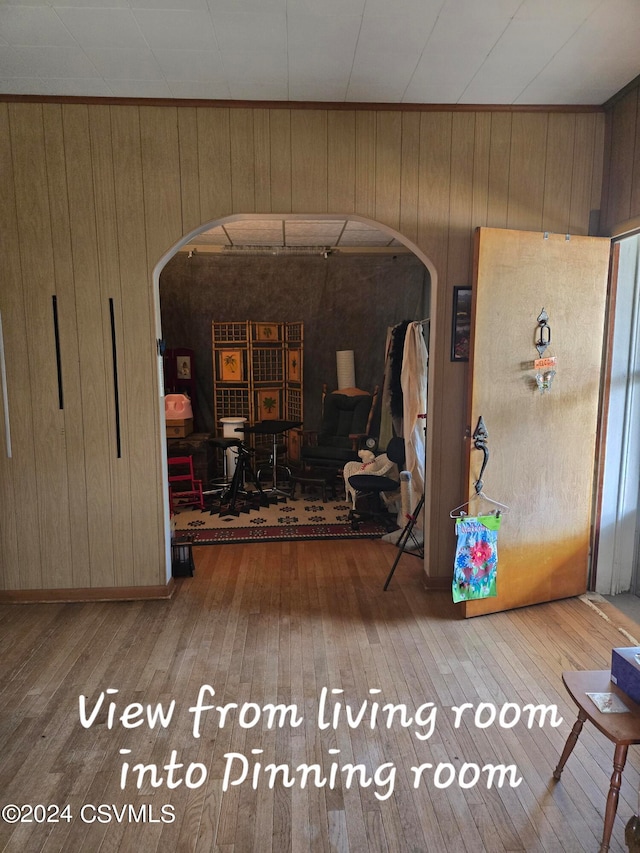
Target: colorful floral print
476, 562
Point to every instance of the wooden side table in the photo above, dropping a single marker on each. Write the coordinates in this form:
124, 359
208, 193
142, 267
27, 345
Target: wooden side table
621, 728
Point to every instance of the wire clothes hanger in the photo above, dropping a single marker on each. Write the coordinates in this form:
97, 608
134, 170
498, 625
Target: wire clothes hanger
480, 438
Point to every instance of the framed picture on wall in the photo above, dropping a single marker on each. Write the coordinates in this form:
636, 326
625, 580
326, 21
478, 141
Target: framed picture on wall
269, 404
183, 366
267, 332
461, 324
294, 374
231, 366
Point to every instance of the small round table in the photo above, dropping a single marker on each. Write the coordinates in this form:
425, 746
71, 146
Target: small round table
621, 728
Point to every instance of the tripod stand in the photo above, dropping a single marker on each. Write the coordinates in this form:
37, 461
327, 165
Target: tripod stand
243, 469
412, 517
406, 535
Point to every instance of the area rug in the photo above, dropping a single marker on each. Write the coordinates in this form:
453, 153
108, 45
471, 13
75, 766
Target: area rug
281, 518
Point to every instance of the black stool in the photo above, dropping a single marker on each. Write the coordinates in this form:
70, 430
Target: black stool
243, 472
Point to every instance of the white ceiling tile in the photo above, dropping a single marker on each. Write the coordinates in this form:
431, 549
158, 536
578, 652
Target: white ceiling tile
176, 5
259, 89
125, 63
140, 88
15, 62
92, 87
373, 88
28, 25
336, 9
263, 33
102, 27
213, 237
50, 61
252, 65
359, 238
22, 85
88, 4
176, 30
404, 8
379, 34
318, 34
200, 91
439, 51
311, 88
199, 66
235, 7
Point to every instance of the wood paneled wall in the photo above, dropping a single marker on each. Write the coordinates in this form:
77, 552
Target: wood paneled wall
94, 195
621, 199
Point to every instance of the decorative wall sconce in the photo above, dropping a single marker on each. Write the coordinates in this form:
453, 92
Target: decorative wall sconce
544, 367
545, 333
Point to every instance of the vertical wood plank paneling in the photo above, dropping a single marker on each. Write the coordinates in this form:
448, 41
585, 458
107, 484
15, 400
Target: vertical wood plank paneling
33, 216
135, 347
458, 273
481, 159
99, 440
597, 174
527, 170
584, 144
433, 233
435, 176
280, 130
262, 160
189, 180
109, 273
159, 158
161, 178
69, 350
17, 477
341, 142
366, 163
499, 164
309, 161
409, 175
388, 167
558, 176
624, 119
214, 163
461, 198
243, 196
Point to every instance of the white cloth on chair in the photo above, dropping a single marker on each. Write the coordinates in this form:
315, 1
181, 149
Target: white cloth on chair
381, 466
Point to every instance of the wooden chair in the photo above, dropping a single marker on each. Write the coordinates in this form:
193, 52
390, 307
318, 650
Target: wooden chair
184, 489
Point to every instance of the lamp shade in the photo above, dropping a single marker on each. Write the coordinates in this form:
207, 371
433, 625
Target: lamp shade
346, 369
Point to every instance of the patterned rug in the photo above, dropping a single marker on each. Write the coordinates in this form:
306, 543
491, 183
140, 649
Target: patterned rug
271, 518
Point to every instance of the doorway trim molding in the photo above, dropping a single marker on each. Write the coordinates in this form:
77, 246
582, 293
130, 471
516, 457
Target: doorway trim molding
236, 217
619, 511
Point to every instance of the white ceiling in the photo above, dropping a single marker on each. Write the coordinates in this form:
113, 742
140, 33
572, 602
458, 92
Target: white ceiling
294, 234
390, 51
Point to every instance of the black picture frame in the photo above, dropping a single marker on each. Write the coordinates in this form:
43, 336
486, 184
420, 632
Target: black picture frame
461, 324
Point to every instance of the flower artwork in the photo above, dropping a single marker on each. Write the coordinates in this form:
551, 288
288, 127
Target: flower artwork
476, 562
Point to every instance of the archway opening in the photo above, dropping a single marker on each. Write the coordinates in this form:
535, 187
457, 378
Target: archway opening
346, 278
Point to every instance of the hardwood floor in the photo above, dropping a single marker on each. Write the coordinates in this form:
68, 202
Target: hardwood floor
277, 623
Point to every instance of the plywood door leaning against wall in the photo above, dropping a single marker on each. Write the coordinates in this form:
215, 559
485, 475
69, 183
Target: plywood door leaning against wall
542, 444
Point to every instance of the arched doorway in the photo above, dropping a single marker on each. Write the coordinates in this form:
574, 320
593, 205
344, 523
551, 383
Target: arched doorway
351, 243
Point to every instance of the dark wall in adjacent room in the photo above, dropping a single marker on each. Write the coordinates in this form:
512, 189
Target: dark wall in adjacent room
346, 302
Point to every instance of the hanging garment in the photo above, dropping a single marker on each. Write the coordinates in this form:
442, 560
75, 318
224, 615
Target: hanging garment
476, 563
414, 393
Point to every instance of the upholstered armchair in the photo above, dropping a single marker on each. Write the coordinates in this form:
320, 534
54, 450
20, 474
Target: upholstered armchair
347, 416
